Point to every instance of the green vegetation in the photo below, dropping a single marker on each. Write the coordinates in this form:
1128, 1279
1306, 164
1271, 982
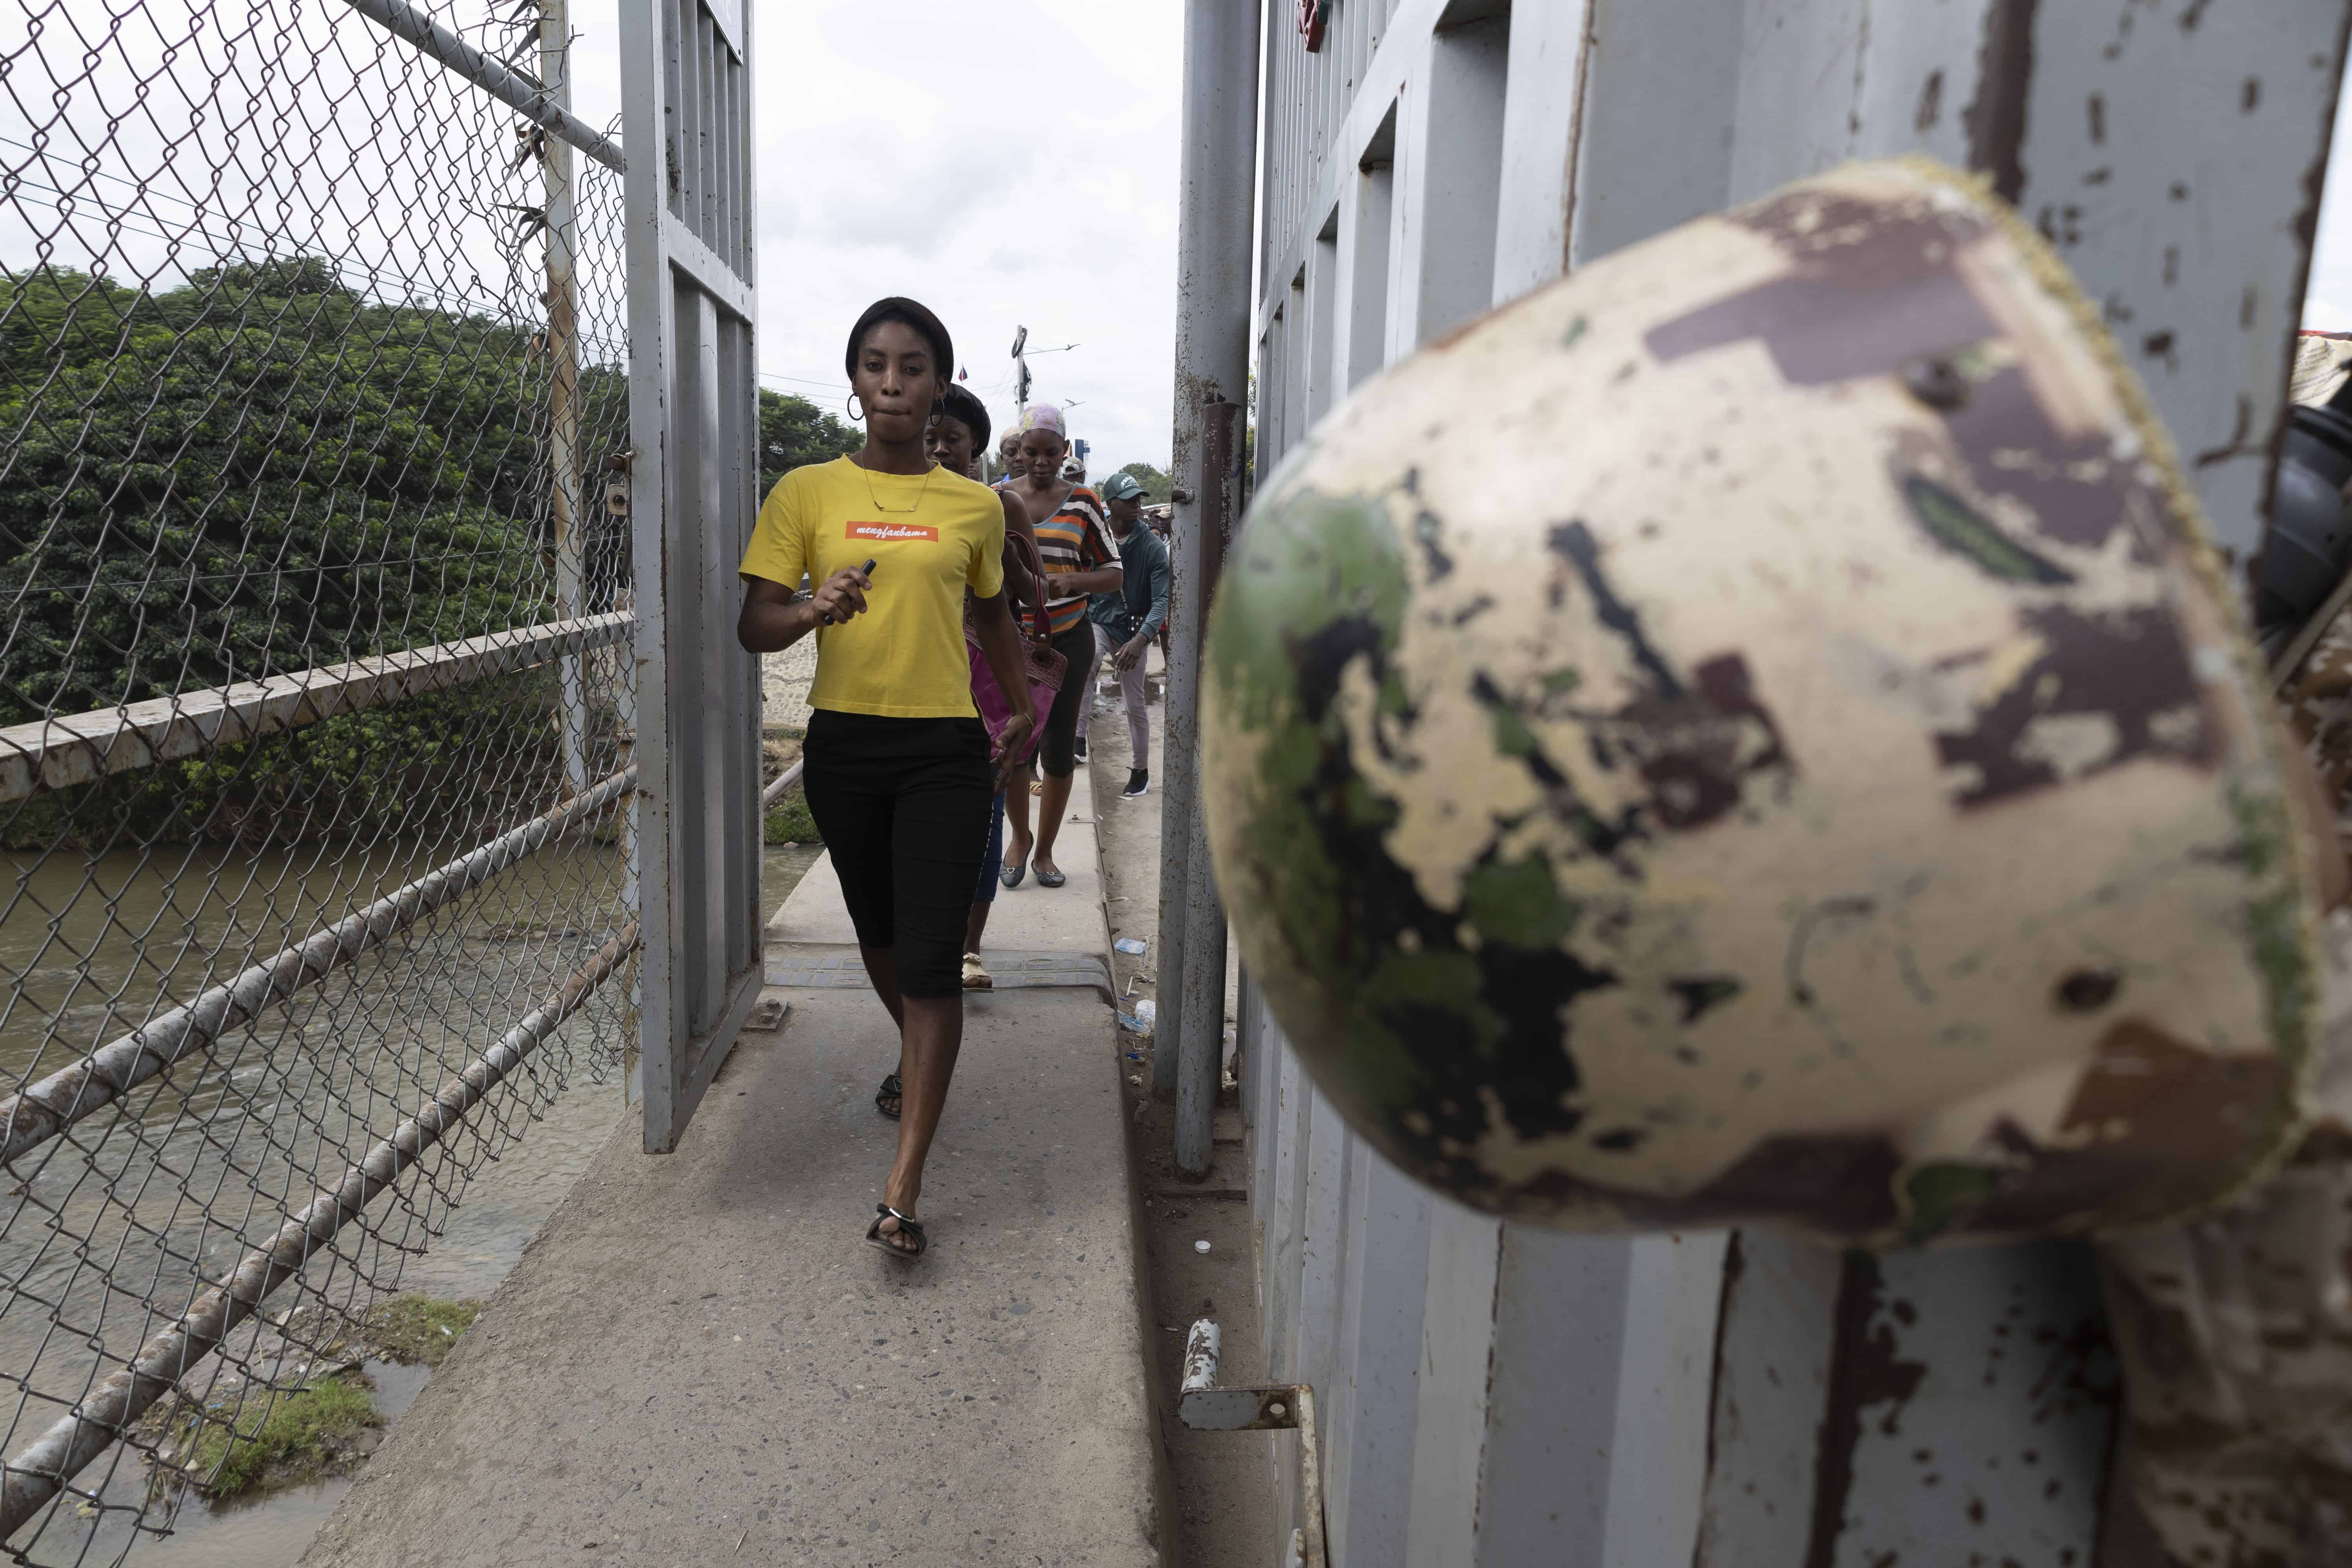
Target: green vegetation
262, 471
282, 1439
419, 1329
795, 432
789, 821
259, 471
265, 470
1155, 483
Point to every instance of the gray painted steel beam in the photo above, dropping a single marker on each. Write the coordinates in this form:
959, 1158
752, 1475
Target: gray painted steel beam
57, 753
501, 81
84, 1433
1213, 344
783, 780
36, 1114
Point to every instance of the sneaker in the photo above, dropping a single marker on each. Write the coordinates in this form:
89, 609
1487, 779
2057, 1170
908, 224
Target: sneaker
975, 978
1138, 782
1078, 747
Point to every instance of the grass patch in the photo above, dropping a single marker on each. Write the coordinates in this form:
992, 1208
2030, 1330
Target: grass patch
789, 821
418, 1330
276, 1441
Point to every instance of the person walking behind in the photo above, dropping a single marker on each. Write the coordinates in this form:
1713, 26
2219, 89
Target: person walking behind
899, 768
958, 435
1008, 454
1126, 621
1073, 538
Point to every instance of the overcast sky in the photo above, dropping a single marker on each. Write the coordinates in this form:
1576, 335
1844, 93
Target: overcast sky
1009, 164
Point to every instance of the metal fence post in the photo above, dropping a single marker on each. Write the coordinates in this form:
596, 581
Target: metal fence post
1200, 1010
564, 383
1212, 316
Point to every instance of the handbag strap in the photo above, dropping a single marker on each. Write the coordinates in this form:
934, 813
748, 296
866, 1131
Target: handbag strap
1035, 564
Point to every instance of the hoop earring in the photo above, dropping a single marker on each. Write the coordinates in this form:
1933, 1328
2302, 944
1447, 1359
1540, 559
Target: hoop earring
856, 414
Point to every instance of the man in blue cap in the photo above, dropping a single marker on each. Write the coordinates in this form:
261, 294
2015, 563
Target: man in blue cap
1127, 620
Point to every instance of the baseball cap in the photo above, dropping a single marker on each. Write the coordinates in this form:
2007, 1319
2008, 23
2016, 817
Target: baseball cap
1122, 487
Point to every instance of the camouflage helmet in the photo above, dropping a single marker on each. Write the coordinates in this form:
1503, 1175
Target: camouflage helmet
1754, 732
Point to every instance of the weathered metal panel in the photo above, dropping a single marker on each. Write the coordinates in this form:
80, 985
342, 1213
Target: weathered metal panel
1322, 1243
1539, 104
1371, 1451
1971, 1409
1804, 65
1654, 141
1657, 1464
1319, 373
1622, 118
1449, 1430
1775, 1341
1281, 1203
2174, 155
1552, 1414
1452, 172
693, 414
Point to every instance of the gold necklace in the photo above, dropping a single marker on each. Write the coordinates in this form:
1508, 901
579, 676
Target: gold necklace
928, 474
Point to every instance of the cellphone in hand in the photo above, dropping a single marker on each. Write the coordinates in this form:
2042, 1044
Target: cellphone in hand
826, 618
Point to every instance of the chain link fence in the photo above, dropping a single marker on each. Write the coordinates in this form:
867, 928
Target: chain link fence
315, 706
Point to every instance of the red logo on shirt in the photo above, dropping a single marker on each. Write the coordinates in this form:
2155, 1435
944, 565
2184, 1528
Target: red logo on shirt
892, 530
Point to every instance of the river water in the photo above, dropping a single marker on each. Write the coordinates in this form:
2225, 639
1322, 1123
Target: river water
201, 1169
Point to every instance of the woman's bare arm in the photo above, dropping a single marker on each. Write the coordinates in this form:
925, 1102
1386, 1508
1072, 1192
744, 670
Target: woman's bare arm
774, 616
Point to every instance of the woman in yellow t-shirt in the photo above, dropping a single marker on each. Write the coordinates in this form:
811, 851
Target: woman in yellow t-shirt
900, 772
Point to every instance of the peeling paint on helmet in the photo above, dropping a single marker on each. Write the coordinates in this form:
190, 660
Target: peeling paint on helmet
1750, 732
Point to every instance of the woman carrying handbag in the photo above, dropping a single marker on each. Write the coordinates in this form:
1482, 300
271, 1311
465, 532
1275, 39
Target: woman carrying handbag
1081, 559
957, 436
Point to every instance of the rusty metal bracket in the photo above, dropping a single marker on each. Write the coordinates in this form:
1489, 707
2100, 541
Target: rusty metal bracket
1205, 1407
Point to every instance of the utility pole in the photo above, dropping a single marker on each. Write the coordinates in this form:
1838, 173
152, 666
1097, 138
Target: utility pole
561, 233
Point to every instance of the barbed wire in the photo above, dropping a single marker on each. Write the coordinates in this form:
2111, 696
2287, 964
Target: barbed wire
315, 706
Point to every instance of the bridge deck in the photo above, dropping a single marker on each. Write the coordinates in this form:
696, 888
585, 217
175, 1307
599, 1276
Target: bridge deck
698, 1362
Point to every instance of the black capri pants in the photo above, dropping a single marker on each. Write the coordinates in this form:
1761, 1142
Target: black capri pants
903, 806
1058, 752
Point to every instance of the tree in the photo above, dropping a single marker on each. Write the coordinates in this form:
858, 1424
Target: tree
1155, 484
794, 432
264, 471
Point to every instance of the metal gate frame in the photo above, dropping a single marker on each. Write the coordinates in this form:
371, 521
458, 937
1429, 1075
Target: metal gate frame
693, 484
1492, 1393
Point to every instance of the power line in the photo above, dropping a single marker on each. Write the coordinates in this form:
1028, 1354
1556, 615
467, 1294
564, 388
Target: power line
804, 381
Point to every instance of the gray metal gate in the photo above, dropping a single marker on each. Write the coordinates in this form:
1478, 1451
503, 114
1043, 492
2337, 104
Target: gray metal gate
694, 406
1491, 1393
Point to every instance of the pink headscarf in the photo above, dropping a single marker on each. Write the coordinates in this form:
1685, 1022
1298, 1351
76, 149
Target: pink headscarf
1044, 416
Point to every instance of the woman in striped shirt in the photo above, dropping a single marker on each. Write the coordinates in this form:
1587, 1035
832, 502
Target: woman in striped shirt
1081, 560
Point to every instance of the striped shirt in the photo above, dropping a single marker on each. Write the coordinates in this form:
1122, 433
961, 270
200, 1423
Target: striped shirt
1076, 539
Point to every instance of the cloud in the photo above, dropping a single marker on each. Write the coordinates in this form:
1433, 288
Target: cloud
1008, 164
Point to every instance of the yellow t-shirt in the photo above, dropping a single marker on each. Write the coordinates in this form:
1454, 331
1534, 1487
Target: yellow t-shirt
929, 536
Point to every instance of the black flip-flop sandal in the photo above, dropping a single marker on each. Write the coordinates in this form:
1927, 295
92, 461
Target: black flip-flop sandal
891, 1089
908, 1225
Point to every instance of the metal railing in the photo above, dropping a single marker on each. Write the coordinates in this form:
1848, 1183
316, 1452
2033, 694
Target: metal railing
316, 714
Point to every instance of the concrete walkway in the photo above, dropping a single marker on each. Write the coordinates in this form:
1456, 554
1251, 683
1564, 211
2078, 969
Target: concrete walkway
699, 1363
